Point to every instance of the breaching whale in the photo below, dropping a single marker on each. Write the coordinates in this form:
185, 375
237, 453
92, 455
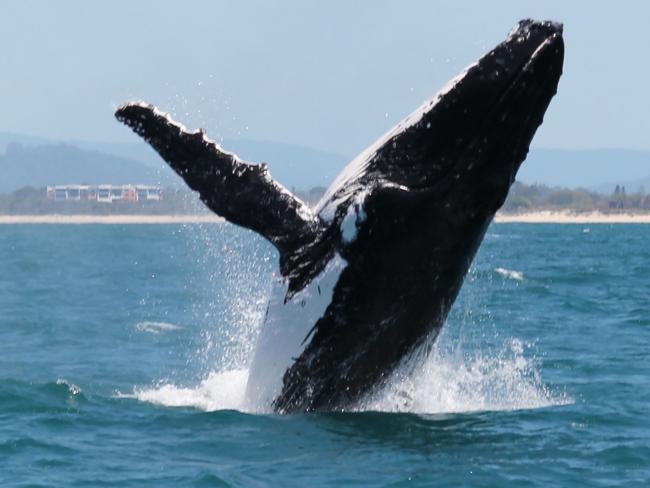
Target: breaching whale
370, 273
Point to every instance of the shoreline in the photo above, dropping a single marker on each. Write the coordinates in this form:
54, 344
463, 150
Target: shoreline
540, 217
571, 217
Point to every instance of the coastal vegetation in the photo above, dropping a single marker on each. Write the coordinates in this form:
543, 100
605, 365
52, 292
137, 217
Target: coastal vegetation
531, 198
523, 198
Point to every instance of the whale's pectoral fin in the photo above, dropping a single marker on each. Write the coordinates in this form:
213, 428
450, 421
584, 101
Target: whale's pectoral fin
244, 194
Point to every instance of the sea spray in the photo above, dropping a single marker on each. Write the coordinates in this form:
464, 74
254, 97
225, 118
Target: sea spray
457, 381
238, 286
446, 380
469, 368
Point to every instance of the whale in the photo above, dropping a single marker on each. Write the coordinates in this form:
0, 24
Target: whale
368, 275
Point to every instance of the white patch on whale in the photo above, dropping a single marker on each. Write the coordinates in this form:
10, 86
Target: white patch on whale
353, 218
284, 333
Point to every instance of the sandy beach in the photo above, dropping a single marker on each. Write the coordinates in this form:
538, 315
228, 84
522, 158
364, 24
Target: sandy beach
568, 217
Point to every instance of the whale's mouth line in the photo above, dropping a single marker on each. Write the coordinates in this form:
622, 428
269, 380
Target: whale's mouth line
547, 43
526, 67
544, 45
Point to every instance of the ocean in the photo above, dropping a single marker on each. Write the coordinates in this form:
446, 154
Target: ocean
123, 355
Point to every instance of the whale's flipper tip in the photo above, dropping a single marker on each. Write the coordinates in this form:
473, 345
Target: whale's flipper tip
243, 193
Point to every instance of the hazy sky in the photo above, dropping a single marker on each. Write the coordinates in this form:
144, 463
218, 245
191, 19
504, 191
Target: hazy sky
329, 74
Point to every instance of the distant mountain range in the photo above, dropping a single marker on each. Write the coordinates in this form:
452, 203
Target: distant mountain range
39, 166
34, 161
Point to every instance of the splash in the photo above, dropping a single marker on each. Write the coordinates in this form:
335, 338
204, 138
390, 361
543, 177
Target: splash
457, 382
455, 376
444, 382
219, 391
232, 266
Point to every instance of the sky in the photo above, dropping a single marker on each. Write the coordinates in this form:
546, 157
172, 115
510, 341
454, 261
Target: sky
330, 75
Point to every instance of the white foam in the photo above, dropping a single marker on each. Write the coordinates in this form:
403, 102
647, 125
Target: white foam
448, 380
156, 327
219, 391
456, 382
445, 382
510, 274
72, 388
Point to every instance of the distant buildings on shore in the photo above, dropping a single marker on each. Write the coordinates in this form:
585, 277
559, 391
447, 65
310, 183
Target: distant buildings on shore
105, 193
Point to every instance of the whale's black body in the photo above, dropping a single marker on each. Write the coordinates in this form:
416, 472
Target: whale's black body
406, 217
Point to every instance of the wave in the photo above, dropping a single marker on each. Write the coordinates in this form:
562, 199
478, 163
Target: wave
54, 396
72, 389
156, 327
510, 274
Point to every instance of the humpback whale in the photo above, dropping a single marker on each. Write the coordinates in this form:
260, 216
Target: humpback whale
369, 274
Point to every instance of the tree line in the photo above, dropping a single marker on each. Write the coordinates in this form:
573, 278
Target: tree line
523, 197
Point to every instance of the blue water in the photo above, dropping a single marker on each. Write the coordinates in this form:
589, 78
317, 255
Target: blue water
123, 353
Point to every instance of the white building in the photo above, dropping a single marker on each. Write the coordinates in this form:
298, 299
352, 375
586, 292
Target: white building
105, 193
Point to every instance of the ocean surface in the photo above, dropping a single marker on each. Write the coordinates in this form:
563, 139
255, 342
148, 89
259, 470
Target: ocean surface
123, 354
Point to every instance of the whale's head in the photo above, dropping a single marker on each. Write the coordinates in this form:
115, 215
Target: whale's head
479, 128
465, 145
